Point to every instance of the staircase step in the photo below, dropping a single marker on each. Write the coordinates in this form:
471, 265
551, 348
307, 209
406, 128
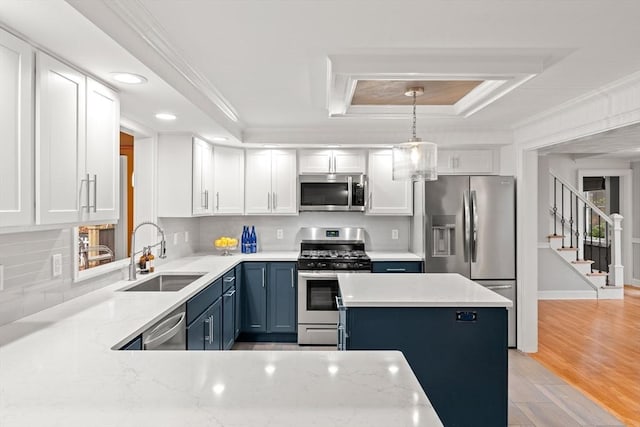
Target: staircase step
583, 261
568, 248
598, 273
555, 236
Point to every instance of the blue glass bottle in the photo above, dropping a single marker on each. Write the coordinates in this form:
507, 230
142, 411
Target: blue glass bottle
243, 240
253, 239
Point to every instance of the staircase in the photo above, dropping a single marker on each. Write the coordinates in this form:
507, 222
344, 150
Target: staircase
587, 239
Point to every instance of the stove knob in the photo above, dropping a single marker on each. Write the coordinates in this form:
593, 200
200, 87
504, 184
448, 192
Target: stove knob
311, 264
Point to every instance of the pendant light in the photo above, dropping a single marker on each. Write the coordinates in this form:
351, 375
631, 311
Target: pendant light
415, 160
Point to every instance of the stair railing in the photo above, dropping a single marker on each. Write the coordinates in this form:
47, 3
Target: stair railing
598, 229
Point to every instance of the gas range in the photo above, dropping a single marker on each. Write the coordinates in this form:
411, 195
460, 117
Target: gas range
333, 249
324, 252
314, 258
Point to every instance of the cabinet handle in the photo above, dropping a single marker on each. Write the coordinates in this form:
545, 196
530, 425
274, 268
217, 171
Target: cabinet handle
275, 201
211, 330
370, 199
329, 164
292, 283
397, 269
88, 205
334, 165
206, 199
208, 322
230, 293
217, 200
264, 279
229, 279
268, 201
95, 193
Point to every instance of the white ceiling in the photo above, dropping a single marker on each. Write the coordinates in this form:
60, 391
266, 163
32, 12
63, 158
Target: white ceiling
267, 59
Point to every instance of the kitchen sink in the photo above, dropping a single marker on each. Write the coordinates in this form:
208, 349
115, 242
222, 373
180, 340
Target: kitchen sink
166, 282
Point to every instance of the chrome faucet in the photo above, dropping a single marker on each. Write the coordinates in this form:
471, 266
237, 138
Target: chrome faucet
162, 243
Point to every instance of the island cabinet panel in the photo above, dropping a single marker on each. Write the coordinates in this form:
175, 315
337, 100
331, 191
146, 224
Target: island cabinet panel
459, 355
396, 267
282, 297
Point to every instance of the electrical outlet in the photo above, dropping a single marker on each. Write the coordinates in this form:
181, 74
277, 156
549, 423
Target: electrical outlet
394, 234
175, 239
1, 277
279, 234
56, 262
186, 237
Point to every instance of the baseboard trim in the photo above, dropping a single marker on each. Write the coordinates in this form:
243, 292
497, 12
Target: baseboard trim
550, 295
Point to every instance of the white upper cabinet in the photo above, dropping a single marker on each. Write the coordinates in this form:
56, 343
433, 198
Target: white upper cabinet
180, 175
332, 161
271, 182
228, 181
466, 162
103, 151
202, 178
284, 179
16, 153
61, 187
77, 146
386, 196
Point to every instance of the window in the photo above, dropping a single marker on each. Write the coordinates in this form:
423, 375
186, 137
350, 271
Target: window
102, 244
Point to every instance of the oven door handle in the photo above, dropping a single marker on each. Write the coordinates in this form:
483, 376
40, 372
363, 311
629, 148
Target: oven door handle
318, 275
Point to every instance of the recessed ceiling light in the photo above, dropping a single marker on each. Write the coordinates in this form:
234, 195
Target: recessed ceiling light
165, 116
219, 138
128, 78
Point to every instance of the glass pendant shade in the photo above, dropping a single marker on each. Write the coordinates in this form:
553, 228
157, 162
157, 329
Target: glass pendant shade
415, 161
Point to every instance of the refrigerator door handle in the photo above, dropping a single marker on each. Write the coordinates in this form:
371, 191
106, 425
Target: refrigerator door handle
467, 224
474, 232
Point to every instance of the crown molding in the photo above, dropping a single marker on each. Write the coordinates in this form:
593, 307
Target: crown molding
373, 137
612, 106
131, 25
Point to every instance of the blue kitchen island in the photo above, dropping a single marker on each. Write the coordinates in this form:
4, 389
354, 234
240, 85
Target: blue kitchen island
452, 331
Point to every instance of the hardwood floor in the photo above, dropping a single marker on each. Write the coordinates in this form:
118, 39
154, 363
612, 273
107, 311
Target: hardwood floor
595, 346
537, 397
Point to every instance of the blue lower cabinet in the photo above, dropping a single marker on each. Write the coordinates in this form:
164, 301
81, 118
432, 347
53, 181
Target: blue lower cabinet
269, 301
254, 293
281, 295
205, 332
459, 355
134, 344
228, 318
396, 267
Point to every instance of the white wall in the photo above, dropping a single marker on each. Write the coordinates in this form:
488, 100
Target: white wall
378, 229
558, 280
29, 285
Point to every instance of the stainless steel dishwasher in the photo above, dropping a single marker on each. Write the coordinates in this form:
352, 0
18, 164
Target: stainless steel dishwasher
169, 333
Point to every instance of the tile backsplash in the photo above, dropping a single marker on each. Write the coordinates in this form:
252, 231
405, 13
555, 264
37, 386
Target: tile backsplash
378, 229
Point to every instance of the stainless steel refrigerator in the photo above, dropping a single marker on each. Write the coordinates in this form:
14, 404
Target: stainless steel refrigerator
469, 227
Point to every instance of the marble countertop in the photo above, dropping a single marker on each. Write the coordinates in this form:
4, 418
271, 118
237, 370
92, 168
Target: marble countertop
58, 368
416, 290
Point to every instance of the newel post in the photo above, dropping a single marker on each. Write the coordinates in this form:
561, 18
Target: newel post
616, 269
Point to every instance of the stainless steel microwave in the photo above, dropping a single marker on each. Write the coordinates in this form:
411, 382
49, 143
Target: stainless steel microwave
332, 192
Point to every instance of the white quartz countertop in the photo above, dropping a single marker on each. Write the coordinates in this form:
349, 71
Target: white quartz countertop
416, 290
58, 368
